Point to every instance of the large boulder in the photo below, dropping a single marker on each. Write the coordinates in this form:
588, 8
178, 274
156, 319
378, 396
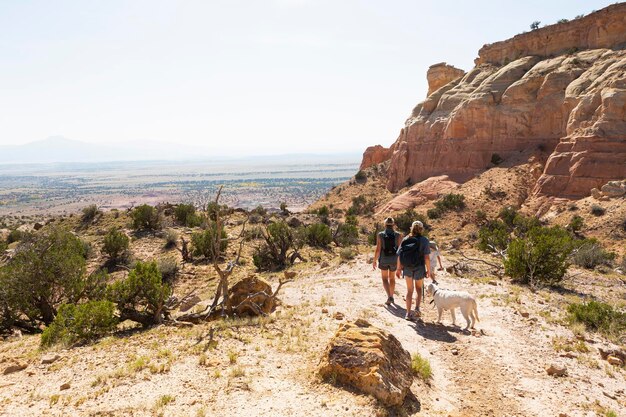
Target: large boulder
614, 188
251, 297
369, 359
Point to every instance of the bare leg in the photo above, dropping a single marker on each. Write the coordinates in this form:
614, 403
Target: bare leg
409, 294
385, 276
392, 283
418, 288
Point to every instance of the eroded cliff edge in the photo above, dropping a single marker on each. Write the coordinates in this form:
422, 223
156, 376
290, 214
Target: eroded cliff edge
560, 89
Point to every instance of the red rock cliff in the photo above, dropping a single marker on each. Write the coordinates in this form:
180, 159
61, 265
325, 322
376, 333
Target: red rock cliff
572, 105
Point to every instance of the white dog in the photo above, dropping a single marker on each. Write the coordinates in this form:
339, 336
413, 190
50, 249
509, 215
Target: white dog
450, 300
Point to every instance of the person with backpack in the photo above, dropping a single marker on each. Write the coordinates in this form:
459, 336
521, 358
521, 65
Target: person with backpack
387, 243
414, 262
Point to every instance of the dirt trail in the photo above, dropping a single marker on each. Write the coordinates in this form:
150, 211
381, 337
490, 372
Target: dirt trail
498, 370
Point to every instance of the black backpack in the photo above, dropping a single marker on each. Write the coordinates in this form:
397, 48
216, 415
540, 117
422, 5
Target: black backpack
389, 242
411, 253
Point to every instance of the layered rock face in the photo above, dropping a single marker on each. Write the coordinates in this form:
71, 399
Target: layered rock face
374, 155
571, 105
441, 74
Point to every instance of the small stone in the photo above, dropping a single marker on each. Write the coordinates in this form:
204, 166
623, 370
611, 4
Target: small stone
16, 367
614, 360
569, 355
554, 370
494, 283
455, 351
325, 310
49, 359
524, 314
65, 386
339, 316
324, 265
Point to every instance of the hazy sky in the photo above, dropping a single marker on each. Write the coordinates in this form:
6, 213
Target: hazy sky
248, 77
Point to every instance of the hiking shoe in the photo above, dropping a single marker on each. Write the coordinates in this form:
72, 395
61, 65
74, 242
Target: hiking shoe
408, 316
389, 300
418, 314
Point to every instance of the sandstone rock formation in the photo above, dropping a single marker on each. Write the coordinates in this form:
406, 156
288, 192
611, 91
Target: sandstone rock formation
251, 295
374, 155
518, 97
370, 360
441, 74
429, 189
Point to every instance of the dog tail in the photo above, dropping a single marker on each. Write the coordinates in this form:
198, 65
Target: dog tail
475, 308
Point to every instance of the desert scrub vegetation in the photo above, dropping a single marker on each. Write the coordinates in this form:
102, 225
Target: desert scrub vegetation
318, 235
186, 215
589, 253
600, 317
540, 257
47, 270
115, 244
360, 175
421, 367
90, 213
80, 323
361, 205
597, 210
203, 242
171, 237
449, 202
146, 217
404, 220
168, 267
142, 295
280, 247
345, 234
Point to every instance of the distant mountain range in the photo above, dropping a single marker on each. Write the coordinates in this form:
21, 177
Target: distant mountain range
58, 149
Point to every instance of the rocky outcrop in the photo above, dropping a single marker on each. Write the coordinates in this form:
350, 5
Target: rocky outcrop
251, 297
429, 189
370, 360
374, 155
571, 107
441, 74
602, 29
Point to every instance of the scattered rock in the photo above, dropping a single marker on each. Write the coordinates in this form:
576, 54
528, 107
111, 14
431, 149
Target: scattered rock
339, 316
325, 311
248, 294
370, 360
65, 386
48, 359
569, 355
289, 274
614, 189
555, 370
14, 367
606, 394
494, 283
455, 351
524, 314
595, 193
614, 360
294, 222
324, 265
37, 226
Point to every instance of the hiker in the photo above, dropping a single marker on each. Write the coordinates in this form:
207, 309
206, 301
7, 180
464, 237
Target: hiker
414, 262
387, 243
434, 258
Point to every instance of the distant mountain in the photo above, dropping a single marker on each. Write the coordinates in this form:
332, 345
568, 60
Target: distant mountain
58, 149
61, 149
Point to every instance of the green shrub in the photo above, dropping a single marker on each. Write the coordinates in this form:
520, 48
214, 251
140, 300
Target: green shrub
589, 254
204, 242
598, 316
421, 367
540, 258
361, 205
346, 234
260, 210
47, 270
496, 159
352, 219
576, 224
404, 220
597, 210
89, 213
319, 235
168, 267
272, 254
372, 236
3, 246
347, 253
481, 216
16, 235
434, 213
146, 217
186, 215
80, 323
451, 202
115, 244
508, 214
283, 208
493, 236
171, 238
360, 176
142, 295
323, 212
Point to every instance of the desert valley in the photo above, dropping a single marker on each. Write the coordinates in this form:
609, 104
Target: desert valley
244, 289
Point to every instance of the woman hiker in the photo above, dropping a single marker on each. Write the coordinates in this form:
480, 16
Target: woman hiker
387, 243
414, 262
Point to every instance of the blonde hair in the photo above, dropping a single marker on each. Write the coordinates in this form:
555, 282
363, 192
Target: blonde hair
417, 228
389, 221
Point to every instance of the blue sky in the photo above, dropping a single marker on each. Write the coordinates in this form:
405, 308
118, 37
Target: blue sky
239, 77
